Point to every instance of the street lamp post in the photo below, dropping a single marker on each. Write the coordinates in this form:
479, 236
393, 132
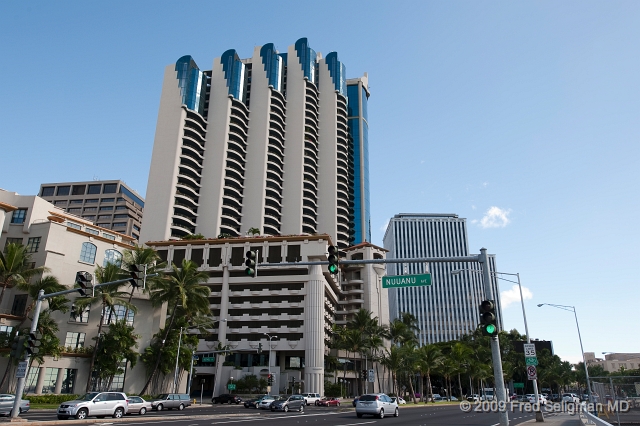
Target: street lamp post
175, 373
584, 361
270, 337
539, 415
218, 365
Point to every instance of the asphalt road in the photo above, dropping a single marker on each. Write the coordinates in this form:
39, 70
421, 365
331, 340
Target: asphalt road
209, 415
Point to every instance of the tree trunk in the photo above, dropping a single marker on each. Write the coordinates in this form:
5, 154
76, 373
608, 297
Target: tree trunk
413, 394
4, 287
460, 386
95, 352
430, 388
378, 377
126, 310
421, 387
166, 336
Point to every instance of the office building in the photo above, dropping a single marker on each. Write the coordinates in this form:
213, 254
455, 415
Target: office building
295, 305
449, 308
67, 244
277, 142
111, 204
613, 361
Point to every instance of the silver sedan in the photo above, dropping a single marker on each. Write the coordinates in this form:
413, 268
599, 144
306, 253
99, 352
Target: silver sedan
138, 405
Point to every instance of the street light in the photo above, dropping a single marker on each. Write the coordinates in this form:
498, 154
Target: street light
270, 337
175, 373
539, 415
218, 365
573, 309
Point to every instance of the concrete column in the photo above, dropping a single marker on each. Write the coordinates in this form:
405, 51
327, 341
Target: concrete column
222, 325
314, 332
59, 380
40, 380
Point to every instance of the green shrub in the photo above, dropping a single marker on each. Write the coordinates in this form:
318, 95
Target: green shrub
50, 399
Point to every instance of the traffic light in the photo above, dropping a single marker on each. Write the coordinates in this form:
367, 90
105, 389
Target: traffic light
83, 282
270, 379
333, 259
138, 275
16, 347
33, 343
488, 318
363, 374
251, 268
259, 348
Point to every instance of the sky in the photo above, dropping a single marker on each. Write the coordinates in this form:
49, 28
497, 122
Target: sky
522, 117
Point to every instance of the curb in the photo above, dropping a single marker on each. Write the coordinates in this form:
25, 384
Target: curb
121, 420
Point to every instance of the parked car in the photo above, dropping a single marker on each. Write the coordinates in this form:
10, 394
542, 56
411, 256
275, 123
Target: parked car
253, 403
294, 402
531, 399
170, 401
473, 398
437, 397
265, 402
398, 400
311, 398
377, 404
6, 404
98, 404
328, 402
570, 397
138, 405
226, 398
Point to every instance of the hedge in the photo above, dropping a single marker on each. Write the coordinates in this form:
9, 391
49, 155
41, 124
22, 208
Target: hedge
50, 399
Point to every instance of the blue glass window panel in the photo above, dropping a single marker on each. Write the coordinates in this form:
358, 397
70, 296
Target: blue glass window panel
337, 71
364, 105
272, 65
367, 201
307, 59
233, 73
88, 253
112, 256
354, 130
192, 84
353, 108
131, 195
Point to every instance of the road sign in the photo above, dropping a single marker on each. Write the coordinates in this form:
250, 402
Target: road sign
396, 281
208, 359
231, 386
518, 385
371, 376
21, 372
529, 350
531, 360
532, 374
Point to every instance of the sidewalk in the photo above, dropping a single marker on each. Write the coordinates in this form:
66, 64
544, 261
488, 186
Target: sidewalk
553, 419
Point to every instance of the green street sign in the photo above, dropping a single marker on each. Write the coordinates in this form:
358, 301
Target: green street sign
531, 361
397, 281
208, 359
517, 385
231, 386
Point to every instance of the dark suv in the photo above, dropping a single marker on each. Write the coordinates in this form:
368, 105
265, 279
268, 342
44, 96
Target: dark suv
226, 398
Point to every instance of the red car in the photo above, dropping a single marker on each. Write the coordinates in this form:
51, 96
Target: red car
328, 402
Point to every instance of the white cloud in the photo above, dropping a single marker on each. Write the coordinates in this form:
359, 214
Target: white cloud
507, 297
485, 184
383, 228
473, 207
495, 218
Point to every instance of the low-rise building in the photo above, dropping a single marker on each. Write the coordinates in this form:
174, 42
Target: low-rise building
614, 361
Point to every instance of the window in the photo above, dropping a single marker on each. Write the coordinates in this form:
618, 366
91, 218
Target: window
119, 224
108, 236
19, 216
78, 189
50, 379
117, 314
136, 228
94, 189
92, 231
90, 209
81, 317
32, 379
121, 207
74, 340
110, 188
76, 201
120, 199
48, 191
69, 381
6, 329
120, 216
63, 190
73, 225
88, 253
89, 218
104, 216
106, 208
112, 256
19, 305
107, 200
33, 244
105, 225
12, 241
60, 203
117, 384
90, 200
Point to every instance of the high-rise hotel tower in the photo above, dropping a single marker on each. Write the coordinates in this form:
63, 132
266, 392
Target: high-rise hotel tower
276, 142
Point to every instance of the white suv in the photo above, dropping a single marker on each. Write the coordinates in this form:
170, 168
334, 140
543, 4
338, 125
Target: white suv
311, 398
377, 404
98, 404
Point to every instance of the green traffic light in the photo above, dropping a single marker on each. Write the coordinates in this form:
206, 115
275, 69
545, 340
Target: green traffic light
249, 271
491, 329
333, 269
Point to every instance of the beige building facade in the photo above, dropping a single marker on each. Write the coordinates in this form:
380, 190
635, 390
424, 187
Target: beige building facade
614, 361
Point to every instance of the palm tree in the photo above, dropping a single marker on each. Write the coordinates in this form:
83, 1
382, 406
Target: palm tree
460, 355
16, 267
393, 361
409, 365
429, 359
184, 293
105, 297
448, 368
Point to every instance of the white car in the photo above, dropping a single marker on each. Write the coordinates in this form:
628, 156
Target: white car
376, 404
265, 402
532, 398
398, 400
311, 398
570, 397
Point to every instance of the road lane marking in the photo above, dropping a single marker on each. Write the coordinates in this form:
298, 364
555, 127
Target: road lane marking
352, 424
